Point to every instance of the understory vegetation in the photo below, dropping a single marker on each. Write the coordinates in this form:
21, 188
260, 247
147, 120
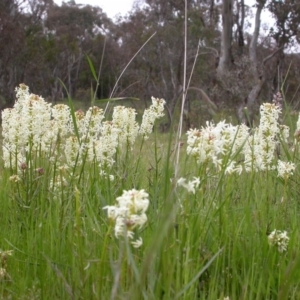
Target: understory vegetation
93, 208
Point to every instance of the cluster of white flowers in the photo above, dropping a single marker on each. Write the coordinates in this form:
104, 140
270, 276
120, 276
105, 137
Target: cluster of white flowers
129, 213
25, 127
285, 169
91, 122
154, 112
72, 151
3, 264
222, 144
107, 144
61, 121
124, 120
217, 144
36, 127
279, 239
190, 186
261, 146
15, 178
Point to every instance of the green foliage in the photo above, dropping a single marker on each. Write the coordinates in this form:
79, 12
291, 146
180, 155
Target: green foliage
206, 238
208, 244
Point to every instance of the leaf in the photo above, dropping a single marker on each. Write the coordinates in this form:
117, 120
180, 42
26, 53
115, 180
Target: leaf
118, 99
92, 68
198, 275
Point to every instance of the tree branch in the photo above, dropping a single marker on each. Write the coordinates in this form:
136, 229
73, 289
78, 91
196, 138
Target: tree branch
271, 55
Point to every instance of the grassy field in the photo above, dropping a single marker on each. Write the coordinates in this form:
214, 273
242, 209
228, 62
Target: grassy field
105, 210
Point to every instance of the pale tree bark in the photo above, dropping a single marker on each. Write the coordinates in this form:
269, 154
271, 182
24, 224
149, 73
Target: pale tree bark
226, 39
258, 73
254, 40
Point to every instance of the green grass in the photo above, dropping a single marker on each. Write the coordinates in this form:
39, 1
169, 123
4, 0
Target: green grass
208, 245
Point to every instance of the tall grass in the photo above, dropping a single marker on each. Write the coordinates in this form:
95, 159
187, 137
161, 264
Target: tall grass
208, 244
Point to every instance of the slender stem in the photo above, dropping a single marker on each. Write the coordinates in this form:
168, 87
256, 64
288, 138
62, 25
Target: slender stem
100, 68
103, 255
183, 89
113, 91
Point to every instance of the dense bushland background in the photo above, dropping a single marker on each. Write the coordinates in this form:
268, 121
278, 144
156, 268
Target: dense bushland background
238, 61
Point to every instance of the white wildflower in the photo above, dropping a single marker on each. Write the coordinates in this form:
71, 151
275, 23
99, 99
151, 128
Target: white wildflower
260, 148
92, 122
63, 168
61, 123
221, 143
279, 239
129, 213
135, 201
106, 145
72, 151
124, 120
150, 115
204, 145
137, 243
190, 186
80, 122
112, 211
181, 181
233, 168
217, 143
285, 169
22, 91
102, 173
3, 273
285, 132
25, 127
15, 178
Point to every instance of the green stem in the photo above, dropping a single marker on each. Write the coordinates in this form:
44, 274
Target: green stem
103, 257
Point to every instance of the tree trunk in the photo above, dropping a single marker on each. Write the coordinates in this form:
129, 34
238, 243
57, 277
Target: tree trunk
259, 76
212, 14
240, 25
254, 39
226, 39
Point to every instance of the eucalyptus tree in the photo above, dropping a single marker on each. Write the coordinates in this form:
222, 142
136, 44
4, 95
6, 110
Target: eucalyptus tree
242, 74
226, 59
72, 28
268, 70
158, 68
285, 32
12, 41
257, 69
